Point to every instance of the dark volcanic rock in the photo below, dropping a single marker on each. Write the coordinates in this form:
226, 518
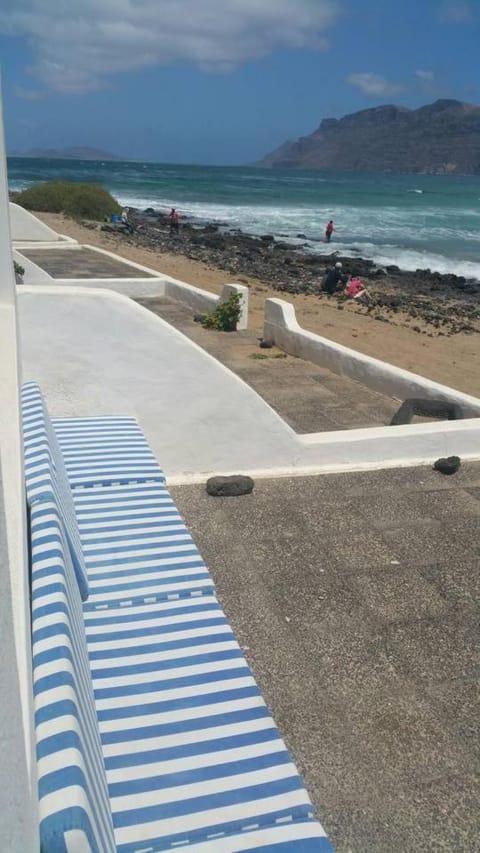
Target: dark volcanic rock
227, 487
448, 466
444, 302
426, 408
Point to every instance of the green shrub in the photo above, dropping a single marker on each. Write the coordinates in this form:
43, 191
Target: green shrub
18, 269
88, 201
225, 316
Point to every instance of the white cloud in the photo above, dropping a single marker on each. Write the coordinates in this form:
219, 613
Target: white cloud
427, 77
79, 45
460, 11
374, 84
29, 94
429, 84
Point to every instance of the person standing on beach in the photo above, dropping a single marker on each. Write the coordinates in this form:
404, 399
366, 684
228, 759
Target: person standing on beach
329, 231
174, 219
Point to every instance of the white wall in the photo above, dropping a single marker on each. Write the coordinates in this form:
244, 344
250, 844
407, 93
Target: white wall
282, 329
200, 301
18, 786
25, 226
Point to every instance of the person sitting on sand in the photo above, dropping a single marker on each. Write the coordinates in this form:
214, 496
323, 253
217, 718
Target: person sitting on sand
356, 290
329, 231
174, 220
126, 222
332, 278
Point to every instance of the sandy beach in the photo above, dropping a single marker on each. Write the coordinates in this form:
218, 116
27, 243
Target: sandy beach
453, 360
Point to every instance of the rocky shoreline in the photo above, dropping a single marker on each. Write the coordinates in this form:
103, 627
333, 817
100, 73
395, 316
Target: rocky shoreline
443, 304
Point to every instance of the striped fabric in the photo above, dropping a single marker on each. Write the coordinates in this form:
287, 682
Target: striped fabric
175, 747
192, 754
105, 451
73, 799
45, 475
136, 547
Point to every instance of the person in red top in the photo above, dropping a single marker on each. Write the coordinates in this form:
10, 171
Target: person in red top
174, 219
356, 290
329, 231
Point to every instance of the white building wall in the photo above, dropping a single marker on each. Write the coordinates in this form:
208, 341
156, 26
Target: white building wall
18, 786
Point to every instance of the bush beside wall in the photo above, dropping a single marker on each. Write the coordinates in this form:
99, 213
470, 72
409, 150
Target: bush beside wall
87, 201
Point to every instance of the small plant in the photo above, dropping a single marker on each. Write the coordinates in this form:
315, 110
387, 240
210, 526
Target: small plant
225, 316
19, 271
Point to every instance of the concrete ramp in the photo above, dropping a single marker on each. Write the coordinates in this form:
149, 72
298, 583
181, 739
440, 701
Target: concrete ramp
99, 353
26, 228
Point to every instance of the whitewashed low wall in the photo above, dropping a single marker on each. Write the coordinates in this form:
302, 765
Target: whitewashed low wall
202, 301
156, 284
25, 227
281, 328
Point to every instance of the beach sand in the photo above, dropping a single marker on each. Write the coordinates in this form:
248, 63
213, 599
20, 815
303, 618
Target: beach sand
453, 360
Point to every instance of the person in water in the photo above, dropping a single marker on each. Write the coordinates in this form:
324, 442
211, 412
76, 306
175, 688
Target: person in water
333, 277
174, 220
329, 231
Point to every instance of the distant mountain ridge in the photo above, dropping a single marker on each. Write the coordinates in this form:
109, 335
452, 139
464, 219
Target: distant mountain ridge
73, 153
438, 139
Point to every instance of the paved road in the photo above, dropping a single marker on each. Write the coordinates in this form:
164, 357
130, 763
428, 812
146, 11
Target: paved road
356, 598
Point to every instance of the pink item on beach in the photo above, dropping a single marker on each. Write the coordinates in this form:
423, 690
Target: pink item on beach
355, 287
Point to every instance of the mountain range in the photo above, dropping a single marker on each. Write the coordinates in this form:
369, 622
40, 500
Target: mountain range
74, 153
439, 138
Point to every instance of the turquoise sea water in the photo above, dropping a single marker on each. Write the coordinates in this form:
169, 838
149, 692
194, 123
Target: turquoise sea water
415, 221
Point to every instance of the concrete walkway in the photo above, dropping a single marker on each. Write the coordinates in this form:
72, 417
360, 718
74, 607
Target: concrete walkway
96, 352
309, 398
356, 599
82, 263
100, 353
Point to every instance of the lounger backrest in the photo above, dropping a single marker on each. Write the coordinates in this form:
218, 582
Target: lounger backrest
75, 814
46, 476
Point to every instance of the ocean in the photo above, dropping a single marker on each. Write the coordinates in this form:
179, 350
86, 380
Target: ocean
414, 221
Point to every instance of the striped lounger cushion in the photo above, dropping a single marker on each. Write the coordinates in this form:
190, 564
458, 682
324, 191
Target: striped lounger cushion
137, 547
75, 814
45, 474
192, 756
191, 751
105, 451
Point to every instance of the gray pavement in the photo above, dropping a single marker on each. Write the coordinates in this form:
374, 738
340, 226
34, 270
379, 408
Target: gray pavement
81, 263
309, 398
356, 599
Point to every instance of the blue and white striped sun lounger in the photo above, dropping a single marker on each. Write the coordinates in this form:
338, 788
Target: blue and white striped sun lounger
75, 813
151, 732
190, 751
137, 547
105, 451
46, 477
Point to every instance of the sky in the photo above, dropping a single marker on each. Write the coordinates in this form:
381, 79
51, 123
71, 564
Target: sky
222, 81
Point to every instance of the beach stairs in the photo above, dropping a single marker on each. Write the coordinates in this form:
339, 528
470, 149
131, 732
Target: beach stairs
151, 733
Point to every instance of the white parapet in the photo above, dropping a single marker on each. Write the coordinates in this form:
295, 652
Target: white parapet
155, 284
203, 301
18, 785
27, 228
281, 328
